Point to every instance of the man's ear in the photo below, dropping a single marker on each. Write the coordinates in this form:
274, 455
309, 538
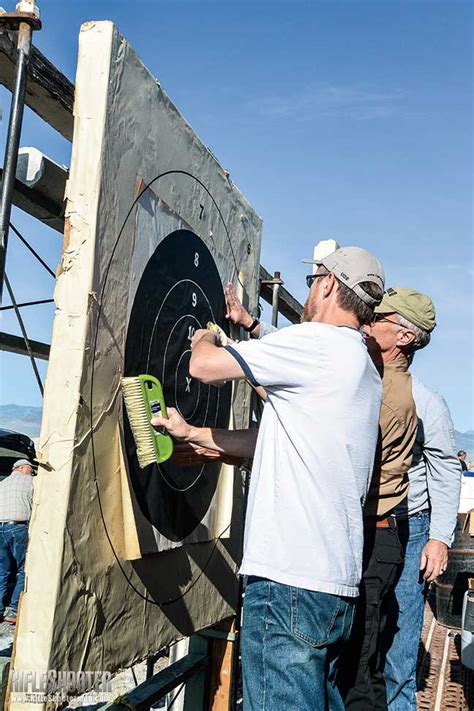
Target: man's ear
405, 337
330, 284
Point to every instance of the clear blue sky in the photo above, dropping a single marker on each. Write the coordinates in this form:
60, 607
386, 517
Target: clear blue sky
350, 120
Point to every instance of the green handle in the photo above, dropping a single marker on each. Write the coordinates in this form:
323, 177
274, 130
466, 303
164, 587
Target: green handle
155, 404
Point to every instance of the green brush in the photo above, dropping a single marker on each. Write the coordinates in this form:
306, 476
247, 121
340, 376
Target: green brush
143, 397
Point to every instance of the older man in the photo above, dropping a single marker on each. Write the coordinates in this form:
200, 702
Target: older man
426, 520
16, 498
312, 465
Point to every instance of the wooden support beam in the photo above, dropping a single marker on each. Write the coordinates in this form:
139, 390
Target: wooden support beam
16, 344
48, 92
155, 688
220, 674
31, 201
288, 306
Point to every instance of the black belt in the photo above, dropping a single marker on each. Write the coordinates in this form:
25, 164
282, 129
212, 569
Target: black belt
4, 523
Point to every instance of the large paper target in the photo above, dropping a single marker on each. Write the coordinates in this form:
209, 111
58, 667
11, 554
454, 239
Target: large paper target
179, 292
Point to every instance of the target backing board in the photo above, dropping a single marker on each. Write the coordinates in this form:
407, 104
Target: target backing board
121, 560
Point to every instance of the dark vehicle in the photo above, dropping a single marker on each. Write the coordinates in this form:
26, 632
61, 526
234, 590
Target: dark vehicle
13, 446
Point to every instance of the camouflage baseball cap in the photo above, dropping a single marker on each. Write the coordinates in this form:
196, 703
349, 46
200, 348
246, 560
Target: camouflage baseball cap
412, 305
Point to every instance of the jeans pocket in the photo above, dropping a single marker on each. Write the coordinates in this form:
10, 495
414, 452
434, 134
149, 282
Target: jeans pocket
314, 616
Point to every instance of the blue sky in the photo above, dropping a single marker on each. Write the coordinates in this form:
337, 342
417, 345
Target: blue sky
350, 120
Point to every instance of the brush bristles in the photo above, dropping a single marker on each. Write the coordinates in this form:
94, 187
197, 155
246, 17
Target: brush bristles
138, 417
221, 334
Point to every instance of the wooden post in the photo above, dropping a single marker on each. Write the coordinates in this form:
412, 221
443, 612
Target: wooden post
220, 671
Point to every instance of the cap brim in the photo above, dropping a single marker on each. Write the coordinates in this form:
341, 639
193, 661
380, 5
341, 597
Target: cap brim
385, 307
312, 261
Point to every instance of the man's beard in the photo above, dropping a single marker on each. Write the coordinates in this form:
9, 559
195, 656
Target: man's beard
306, 315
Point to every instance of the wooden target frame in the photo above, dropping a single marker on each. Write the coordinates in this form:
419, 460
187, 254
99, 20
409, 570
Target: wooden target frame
105, 587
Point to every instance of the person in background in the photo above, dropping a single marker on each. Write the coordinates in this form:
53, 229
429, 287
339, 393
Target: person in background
16, 500
426, 527
462, 459
391, 340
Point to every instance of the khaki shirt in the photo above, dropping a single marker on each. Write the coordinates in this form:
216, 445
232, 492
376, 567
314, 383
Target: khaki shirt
397, 431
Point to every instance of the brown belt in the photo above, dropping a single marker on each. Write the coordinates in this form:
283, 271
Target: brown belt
388, 522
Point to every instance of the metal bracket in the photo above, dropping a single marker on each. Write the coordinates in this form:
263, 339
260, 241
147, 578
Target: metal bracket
276, 282
219, 634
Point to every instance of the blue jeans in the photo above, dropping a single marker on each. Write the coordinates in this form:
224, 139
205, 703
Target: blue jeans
291, 643
13, 543
405, 608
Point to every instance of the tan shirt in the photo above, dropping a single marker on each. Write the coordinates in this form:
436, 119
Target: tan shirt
398, 425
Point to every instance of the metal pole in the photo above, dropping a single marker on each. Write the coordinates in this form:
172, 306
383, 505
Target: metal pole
276, 289
13, 140
25, 335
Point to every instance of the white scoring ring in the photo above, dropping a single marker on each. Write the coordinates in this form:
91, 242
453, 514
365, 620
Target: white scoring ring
182, 281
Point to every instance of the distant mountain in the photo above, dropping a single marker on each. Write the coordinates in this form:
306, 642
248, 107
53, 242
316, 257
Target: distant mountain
21, 418
465, 440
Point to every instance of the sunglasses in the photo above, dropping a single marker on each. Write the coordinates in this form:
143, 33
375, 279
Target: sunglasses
310, 279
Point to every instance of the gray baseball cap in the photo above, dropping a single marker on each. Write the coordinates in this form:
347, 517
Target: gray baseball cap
22, 463
352, 266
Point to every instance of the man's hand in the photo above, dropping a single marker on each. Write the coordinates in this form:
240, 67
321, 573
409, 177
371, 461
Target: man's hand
174, 424
235, 311
434, 560
202, 334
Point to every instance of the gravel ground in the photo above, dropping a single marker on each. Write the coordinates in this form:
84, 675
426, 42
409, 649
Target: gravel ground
6, 638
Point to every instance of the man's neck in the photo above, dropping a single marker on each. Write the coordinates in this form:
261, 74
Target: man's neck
337, 317
393, 355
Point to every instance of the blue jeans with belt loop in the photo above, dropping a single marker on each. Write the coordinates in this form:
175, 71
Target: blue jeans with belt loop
291, 642
13, 543
405, 607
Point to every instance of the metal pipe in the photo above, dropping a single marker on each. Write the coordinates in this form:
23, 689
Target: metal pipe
25, 335
27, 303
13, 141
35, 254
276, 289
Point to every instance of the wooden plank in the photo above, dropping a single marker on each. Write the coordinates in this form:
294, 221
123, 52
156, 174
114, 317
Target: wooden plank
288, 306
16, 344
31, 201
155, 688
220, 677
48, 92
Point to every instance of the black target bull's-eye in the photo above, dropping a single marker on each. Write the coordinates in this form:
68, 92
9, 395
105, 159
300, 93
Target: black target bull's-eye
179, 292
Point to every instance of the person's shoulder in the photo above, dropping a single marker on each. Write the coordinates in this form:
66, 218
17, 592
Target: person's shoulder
398, 398
425, 396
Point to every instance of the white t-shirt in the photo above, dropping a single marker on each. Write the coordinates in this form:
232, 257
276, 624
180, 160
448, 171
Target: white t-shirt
314, 456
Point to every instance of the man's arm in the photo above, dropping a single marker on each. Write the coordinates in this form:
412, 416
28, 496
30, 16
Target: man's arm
442, 470
234, 443
211, 363
443, 477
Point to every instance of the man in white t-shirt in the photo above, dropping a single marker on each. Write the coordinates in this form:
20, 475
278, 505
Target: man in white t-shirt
312, 467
